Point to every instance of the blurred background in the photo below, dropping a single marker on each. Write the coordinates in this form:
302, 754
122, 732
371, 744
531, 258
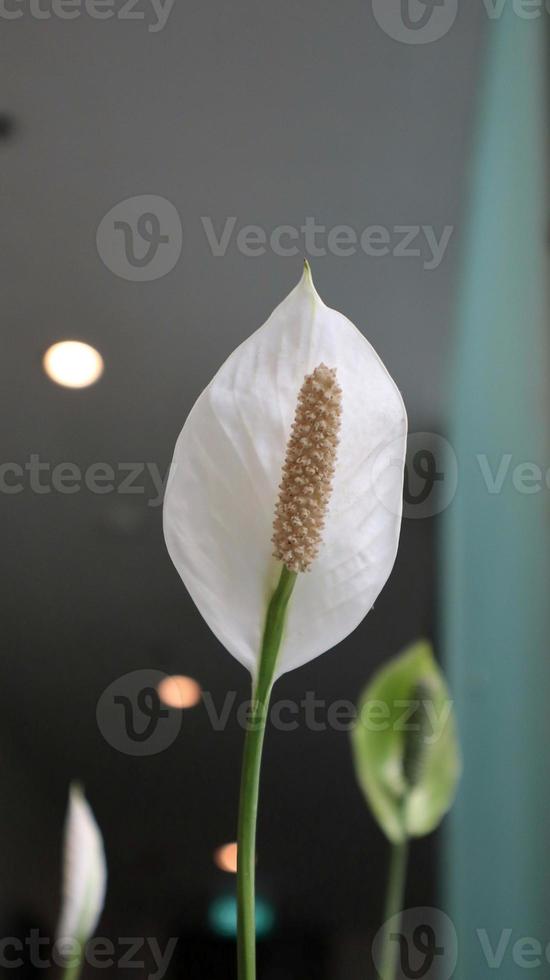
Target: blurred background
139, 142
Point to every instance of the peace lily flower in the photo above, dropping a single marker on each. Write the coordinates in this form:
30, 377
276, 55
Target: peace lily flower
224, 484
84, 880
286, 480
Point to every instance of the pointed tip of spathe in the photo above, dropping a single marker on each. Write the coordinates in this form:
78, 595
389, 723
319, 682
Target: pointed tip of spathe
307, 279
422, 648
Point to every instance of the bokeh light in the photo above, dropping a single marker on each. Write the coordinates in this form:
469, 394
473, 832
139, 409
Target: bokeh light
226, 857
73, 364
179, 691
222, 917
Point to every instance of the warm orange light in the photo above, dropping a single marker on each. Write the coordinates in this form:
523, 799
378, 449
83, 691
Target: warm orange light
226, 858
179, 691
73, 364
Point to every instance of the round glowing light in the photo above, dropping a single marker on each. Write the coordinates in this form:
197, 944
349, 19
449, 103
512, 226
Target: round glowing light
222, 917
179, 691
73, 364
226, 858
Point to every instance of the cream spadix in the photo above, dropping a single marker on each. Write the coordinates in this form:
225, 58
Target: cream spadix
306, 486
224, 486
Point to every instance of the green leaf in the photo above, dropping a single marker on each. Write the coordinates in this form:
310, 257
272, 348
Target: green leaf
405, 746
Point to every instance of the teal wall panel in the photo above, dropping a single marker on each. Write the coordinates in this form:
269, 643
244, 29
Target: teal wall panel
496, 543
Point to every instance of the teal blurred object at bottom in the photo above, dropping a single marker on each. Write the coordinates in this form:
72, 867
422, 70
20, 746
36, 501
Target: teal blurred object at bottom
222, 917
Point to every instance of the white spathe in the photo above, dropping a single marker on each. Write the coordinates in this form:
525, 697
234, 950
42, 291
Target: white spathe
223, 486
84, 871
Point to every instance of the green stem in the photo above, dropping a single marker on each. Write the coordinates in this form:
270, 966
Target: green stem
394, 906
72, 972
250, 777
74, 968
